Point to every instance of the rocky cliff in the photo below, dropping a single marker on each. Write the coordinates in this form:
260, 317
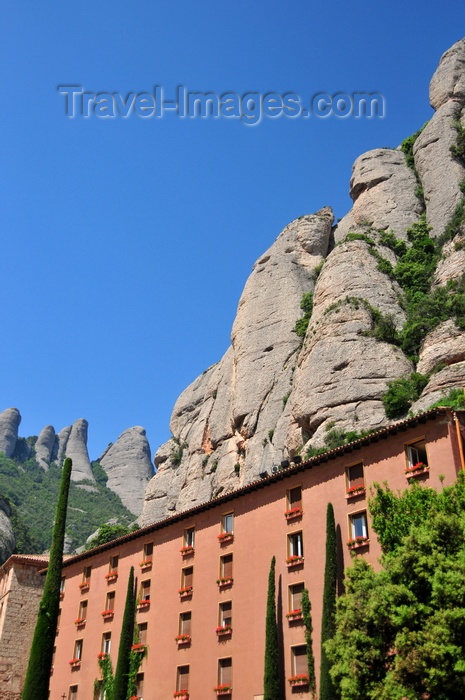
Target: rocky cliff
383, 295
127, 462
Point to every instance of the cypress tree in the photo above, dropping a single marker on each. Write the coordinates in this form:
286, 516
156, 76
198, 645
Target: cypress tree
327, 690
271, 683
36, 684
120, 688
307, 615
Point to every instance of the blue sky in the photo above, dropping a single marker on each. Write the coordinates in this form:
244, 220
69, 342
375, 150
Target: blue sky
127, 242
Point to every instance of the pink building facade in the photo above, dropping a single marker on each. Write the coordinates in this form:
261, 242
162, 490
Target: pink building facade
202, 575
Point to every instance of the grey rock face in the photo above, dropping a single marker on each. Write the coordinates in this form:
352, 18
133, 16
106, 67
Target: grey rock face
448, 82
44, 446
76, 449
9, 423
383, 188
232, 410
129, 467
440, 173
7, 538
59, 448
339, 368
271, 396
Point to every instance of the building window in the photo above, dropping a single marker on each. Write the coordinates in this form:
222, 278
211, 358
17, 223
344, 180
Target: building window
295, 545
113, 569
82, 616
140, 685
226, 569
106, 642
62, 584
147, 553
225, 672
73, 692
182, 678
142, 629
187, 577
294, 498
189, 537
110, 601
299, 660
416, 454
355, 481
86, 574
225, 614
78, 646
227, 523
358, 529
185, 619
145, 590
295, 596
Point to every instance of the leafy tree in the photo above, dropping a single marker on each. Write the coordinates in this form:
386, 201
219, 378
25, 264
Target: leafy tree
327, 690
121, 682
307, 614
271, 682
400, 632
108, 533
36, 684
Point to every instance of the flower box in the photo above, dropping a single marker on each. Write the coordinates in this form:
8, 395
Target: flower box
223, 631
294, 561
187, 550
225, 537
301, 679
295, 615
181, 694
354, 491
183, 639
80, 621
225, 581
102, 655
416, 469
106, 614
186, 591
223, 689
143, 604
358, 542
135, 697
293, 513
112, 576
84, 586
144, 565
74, 663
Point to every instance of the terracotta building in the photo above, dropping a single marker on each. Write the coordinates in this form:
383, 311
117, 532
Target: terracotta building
202, 574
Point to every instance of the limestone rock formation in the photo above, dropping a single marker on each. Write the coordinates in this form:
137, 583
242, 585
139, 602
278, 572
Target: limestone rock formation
76, 449
7, 538
44, 446
59, 448
448, 82
128, 465
382, 188
272, 396
9, 424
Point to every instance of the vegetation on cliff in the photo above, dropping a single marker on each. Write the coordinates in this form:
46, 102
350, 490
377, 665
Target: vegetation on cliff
30, 490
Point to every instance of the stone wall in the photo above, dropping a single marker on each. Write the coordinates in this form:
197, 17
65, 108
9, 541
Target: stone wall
20, 592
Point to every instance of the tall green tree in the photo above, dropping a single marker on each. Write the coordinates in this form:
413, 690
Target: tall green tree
36, 684
327, 689
271, 680
307, 615
121, 682
400, 631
